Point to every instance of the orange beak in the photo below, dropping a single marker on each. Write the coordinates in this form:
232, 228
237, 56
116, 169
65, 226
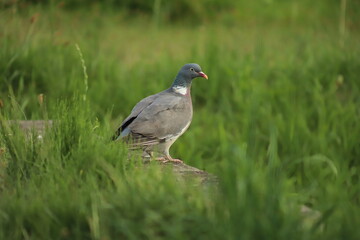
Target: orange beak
201, 74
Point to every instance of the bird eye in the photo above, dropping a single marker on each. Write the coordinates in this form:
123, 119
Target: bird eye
191, 69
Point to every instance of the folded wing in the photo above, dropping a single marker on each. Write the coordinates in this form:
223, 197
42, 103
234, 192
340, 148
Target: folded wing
155, 119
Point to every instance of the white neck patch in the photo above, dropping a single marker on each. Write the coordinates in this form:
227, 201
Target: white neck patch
180, 89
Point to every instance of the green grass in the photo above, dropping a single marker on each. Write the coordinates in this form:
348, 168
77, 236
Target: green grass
277, 122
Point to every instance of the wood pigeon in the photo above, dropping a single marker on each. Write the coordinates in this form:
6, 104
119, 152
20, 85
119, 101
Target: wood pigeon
158, 120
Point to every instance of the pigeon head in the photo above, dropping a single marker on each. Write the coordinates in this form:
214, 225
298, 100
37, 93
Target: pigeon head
187, 73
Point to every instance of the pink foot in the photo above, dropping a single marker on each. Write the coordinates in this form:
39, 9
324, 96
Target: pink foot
169, 159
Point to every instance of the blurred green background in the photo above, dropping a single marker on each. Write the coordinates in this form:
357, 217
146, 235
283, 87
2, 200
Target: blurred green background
277, 121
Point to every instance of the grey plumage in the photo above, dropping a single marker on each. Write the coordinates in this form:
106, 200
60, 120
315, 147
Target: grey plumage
158, 120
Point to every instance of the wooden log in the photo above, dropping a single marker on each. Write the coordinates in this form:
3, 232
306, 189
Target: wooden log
181, 170
186, 172
31, 126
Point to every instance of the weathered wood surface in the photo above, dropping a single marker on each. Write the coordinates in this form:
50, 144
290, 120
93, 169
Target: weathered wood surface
181, 170
187, 172
28, 126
